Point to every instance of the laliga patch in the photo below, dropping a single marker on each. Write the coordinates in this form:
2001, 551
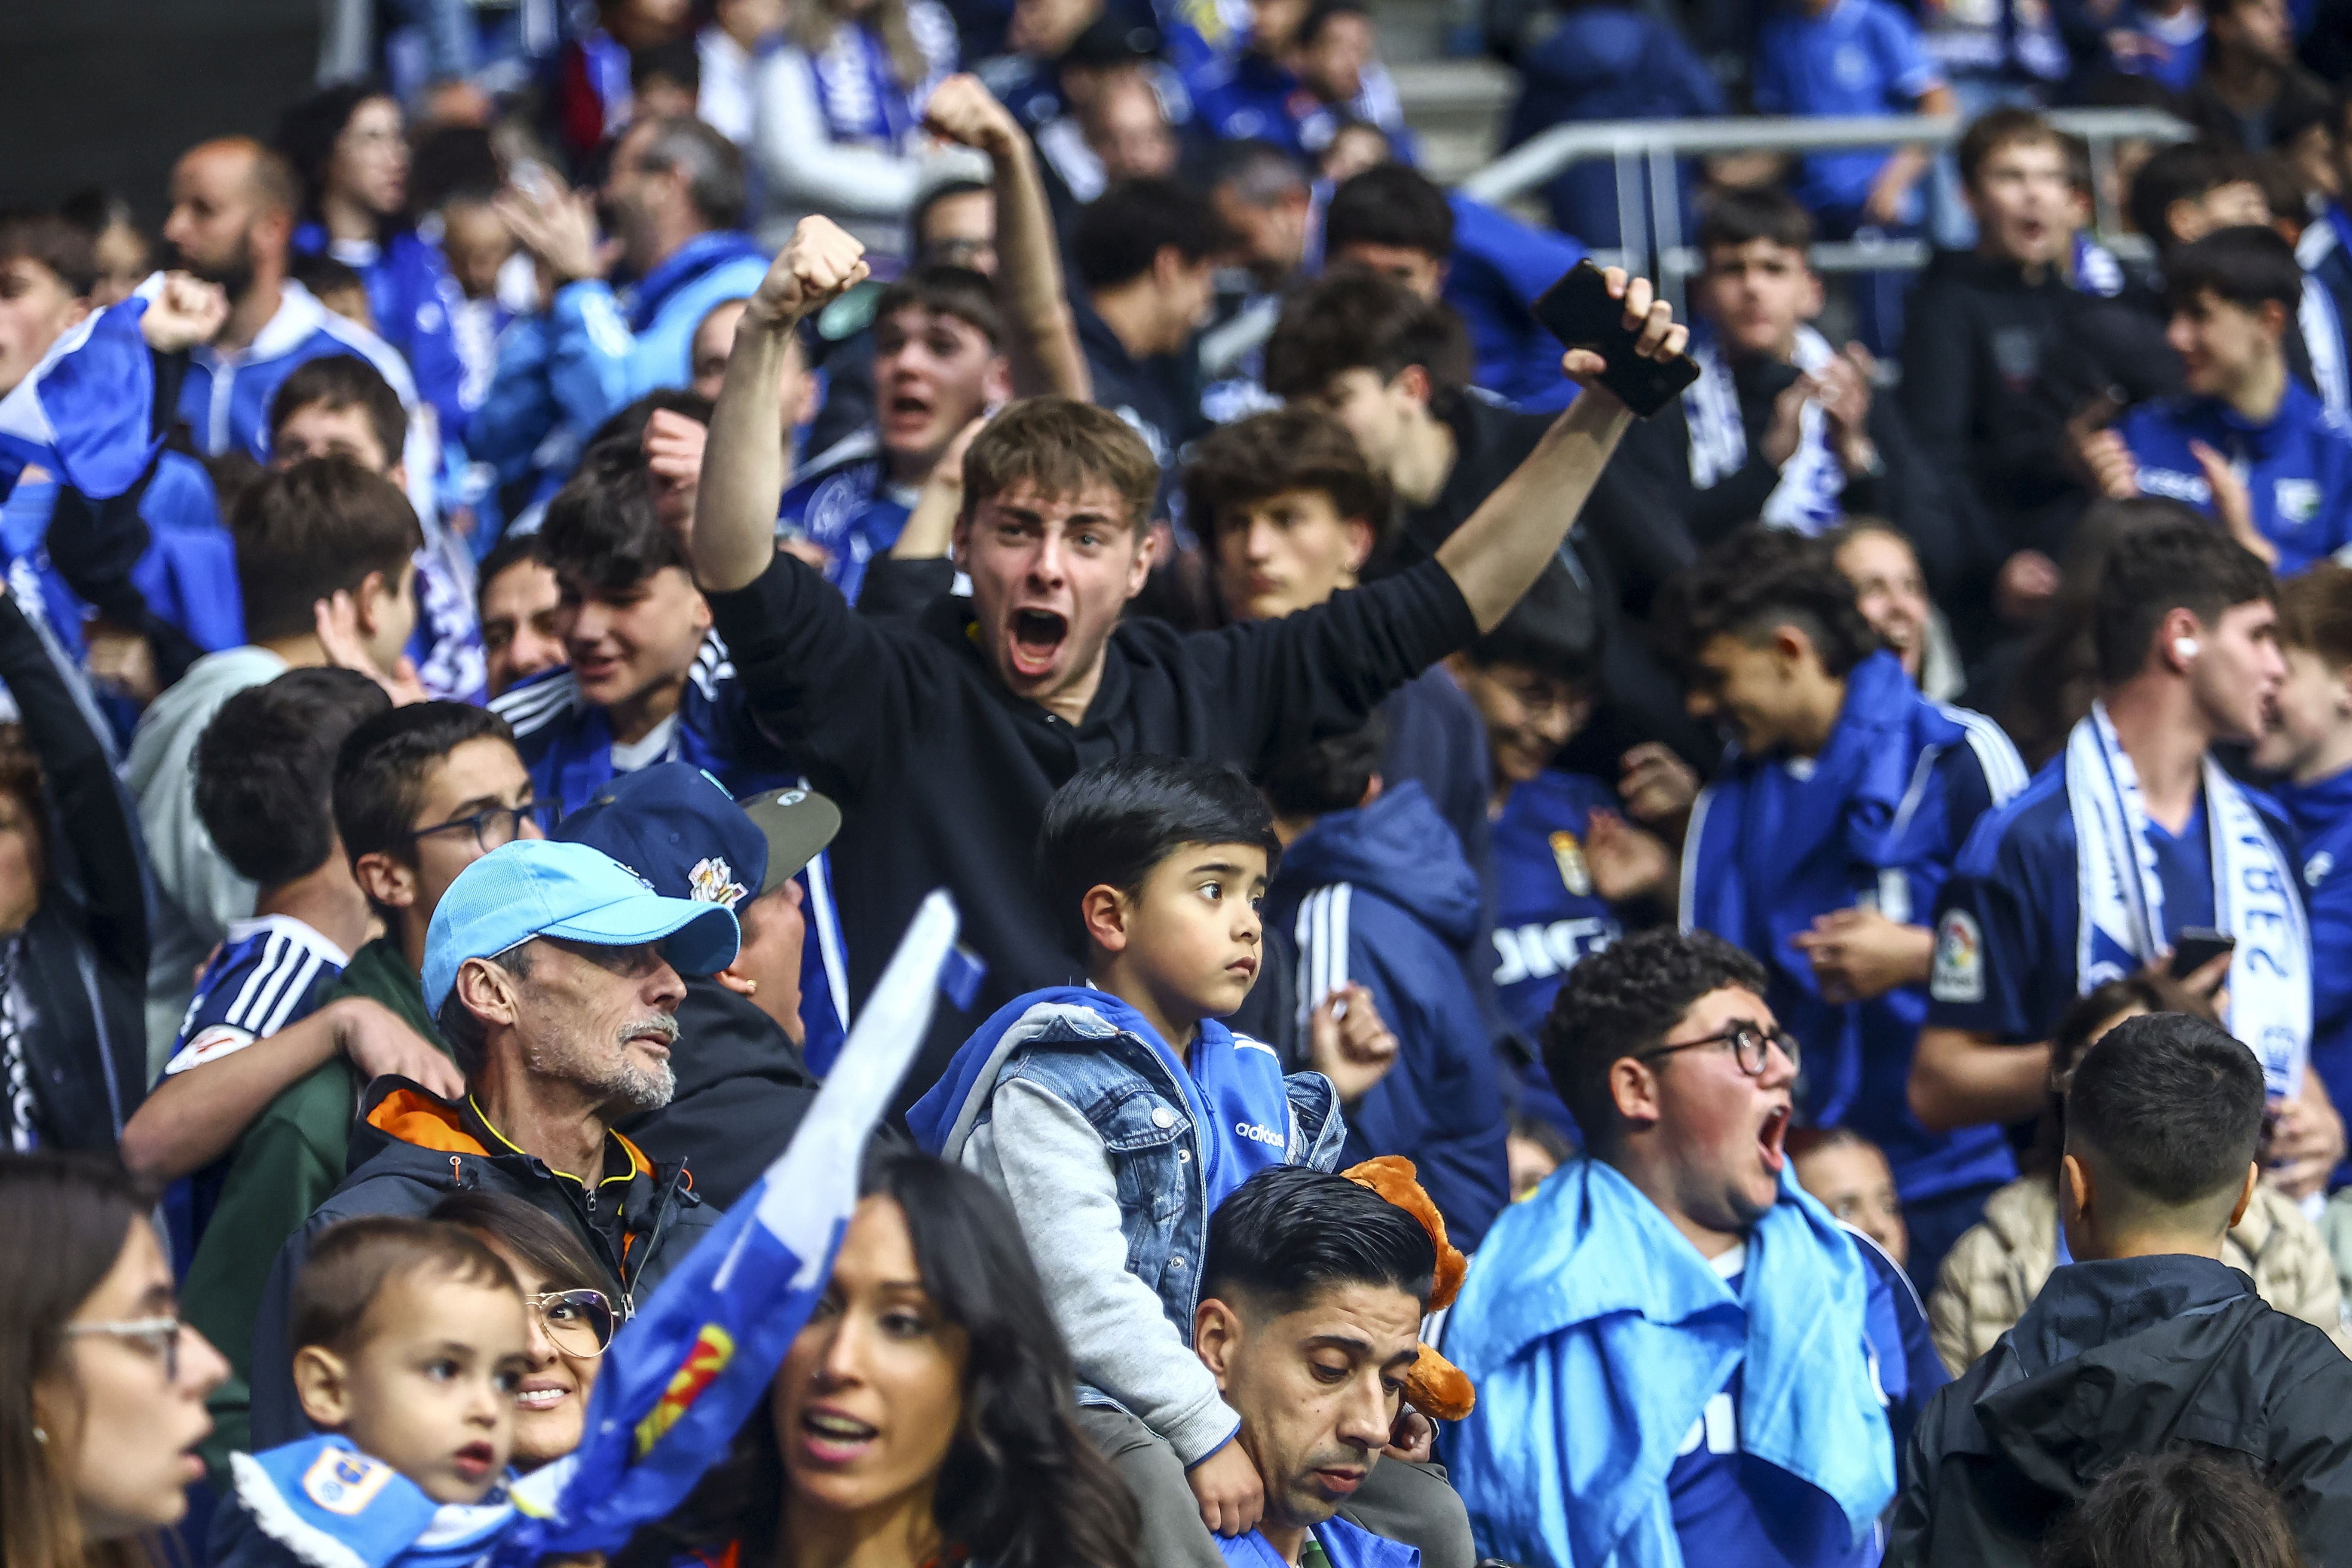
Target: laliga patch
344, 1482
2297, 502
1958, 974
1569, 856
2315, 869
208, 1044
713, 1348
713, 881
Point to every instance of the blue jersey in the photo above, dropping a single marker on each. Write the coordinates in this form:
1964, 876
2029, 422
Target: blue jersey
2322, 814
567, 742
1875, 820
2298, 467
846, 504
1733, 1509
2007, 923
1859, 58
1547, 916
226, 398
410, 297
267, 974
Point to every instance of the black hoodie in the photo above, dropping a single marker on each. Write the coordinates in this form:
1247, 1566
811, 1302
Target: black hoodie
2131, 1356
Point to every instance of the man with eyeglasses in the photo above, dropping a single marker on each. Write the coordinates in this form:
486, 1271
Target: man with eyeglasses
1679, 1355
555, 974
1823, 841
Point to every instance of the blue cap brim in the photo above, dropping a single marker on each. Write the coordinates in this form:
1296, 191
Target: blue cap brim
696, 938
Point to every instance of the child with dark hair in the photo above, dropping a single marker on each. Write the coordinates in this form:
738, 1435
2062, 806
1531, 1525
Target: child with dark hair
1824, 839
1094, 1107
1679, 1354
2147, 1342
2250, 442
408, 1339
1373, 890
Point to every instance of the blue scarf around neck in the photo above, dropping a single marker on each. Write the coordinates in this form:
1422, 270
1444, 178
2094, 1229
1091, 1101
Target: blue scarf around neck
1596, 1334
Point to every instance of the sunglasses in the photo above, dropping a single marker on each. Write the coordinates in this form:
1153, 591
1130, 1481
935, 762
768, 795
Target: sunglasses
578, 1322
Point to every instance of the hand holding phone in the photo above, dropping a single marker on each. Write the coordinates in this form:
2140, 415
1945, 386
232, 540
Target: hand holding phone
1581, 313
2198, 946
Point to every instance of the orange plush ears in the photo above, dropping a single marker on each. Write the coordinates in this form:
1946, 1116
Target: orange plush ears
1435, 1387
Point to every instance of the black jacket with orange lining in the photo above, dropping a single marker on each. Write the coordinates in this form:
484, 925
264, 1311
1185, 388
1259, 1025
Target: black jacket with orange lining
410, 1149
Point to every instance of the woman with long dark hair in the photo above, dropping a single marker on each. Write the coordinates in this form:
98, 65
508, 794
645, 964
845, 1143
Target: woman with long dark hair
102, 1388
922, 1417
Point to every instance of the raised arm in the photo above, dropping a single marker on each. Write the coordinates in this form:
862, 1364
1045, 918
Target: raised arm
1495, 557
743, 463
1043, 340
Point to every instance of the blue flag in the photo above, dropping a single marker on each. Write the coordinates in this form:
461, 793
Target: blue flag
684, 1373
84, 413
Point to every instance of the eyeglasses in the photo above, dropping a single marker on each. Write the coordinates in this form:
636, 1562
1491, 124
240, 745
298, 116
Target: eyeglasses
499, 824
159, 1337
1750, 1046
579, 1322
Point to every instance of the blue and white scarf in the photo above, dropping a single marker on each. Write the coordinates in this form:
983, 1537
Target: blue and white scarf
334, 1506
857, 89
1811, 480
2122, 926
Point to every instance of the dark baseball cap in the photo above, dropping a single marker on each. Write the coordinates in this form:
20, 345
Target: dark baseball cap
679, 828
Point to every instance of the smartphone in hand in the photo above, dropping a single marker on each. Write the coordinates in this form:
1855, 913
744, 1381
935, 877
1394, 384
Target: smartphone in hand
1578, 311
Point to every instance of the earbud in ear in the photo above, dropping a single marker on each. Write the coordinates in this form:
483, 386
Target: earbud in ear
2184, 649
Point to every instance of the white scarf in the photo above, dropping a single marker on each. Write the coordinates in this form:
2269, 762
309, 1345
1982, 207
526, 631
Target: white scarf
1811, 480
2122, 925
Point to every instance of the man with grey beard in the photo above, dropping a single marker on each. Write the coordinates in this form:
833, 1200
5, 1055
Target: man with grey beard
554, 974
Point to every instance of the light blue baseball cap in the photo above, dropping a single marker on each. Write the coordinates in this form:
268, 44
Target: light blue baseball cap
546, 887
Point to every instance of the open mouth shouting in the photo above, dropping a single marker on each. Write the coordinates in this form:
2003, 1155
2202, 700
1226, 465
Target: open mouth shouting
1771, 1139
834, 1437
473, 1463
906, 415
1034, 645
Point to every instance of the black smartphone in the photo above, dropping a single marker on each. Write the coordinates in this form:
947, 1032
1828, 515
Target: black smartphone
2198, 946
1578, 312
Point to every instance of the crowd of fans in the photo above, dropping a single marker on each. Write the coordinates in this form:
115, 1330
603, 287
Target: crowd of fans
1766, 984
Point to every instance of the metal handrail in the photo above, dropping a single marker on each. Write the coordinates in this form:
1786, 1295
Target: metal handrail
1663, 142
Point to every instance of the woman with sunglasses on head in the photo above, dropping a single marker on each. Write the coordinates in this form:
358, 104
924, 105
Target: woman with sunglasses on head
922, 1417
101, 1388
572, 1318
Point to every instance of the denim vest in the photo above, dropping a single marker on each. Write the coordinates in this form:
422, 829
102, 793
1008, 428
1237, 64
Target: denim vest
1125, 1091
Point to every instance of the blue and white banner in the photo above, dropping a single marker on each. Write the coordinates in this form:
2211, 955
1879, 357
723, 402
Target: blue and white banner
86, 412
687, 1372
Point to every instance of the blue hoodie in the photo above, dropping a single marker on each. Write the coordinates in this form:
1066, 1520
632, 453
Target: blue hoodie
2298, 467
1382, 896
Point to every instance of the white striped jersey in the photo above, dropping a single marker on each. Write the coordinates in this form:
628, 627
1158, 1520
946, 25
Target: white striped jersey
267, 973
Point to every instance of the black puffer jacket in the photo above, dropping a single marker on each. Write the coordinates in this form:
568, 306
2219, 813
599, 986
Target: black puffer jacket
2114, 1359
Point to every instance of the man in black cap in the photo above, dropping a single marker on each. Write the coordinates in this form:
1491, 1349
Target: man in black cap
742, 1086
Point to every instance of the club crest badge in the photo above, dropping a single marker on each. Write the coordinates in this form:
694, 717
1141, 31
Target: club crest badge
713, 881
344, 1482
